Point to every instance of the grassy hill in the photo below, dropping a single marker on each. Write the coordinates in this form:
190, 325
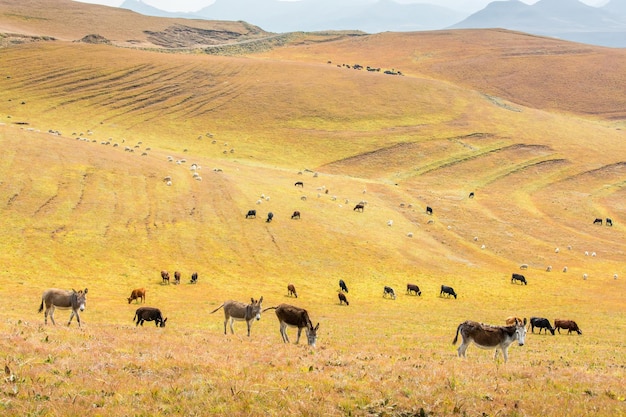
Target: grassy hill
532, 126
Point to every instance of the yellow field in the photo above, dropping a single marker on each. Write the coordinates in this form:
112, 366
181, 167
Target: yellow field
90, 208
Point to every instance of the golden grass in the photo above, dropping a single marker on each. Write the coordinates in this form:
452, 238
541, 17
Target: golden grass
83, 213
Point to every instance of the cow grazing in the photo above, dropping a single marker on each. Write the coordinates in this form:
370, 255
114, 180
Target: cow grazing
412, 288
295, 215
342, 298
449, 291
518, 277
235, 310
194, 278
165, 277
598, 221
510, 321
541, 323
299, 184
471, 195
292, 316
62, 299
429, 210
569, 325
291, 290
490, 337
270, 216
251, 214
342, 286
149, 314
136, 294
608, 222
359, 207
176, 277
388, 291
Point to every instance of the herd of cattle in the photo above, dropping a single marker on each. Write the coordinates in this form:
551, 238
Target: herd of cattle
483, 335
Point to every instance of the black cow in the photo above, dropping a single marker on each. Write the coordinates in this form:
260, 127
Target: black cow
295, 215
609, 222
412, 288
518, 277
342, 298
251, 213
342, 286
471, 195
299, 184
359, 207
598, 221
194, 278
447, 290
388, 291
149, 314
540, 323
429, 210
270, 216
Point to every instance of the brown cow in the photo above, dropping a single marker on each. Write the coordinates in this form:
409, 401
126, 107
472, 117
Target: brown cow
165, 276
512, 321
569, 325
342, 298
176, 277
139, 293
291, 290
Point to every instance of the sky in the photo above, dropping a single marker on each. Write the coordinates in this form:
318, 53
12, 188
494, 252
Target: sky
195, 5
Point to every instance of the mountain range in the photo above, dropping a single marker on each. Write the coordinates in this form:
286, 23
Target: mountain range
564, 19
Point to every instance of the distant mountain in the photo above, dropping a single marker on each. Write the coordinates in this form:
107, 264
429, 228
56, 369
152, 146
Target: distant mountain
318, 15
565, 19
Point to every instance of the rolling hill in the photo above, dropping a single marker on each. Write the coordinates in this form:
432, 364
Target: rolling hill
122, 159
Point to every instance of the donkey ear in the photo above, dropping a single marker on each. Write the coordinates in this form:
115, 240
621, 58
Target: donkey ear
260, 299
85, 290
317, 327
252, 300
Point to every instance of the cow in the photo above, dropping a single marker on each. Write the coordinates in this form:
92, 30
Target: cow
490, 337
510, 321
149, 314
412, 288
295, 215
359, 207
447, 290
429, 210
608, 222
62, 299
194, 278
471, 195
136, 294
598, 221
291, 290
251, 214
342, 298
388, 291
299, 184
518, 277
270, 216
165, 277
292, 316
569, 325
541, 323
342, 286
235, 310
176, 277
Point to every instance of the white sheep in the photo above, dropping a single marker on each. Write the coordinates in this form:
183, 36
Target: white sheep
549, 268
585, 276
614, 276
389, 222
564, 269
169, 183
410, 234
556, 250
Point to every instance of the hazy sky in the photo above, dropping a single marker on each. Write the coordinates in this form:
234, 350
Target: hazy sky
194, 5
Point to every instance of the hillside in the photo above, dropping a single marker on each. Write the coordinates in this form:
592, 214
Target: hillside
121, 162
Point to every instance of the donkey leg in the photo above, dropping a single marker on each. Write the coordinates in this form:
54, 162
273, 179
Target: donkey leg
232, 321
51, 312
461, 350
71, 317
299, 332
283, 332
249, 323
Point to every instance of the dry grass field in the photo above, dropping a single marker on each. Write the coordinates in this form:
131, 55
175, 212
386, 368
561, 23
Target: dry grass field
533, 126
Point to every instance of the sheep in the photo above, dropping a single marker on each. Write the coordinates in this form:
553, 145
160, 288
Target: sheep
410, 234
523, 266
614, 276
168, 183
549, 268
564, 269
389, 222
556, 250
585, 276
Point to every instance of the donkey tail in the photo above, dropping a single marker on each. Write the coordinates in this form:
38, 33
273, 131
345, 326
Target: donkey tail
457, 334
270, 308
41, 306
216, 309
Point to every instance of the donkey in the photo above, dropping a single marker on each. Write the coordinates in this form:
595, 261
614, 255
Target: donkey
63, 299
292, 316
235, 310
490, 337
